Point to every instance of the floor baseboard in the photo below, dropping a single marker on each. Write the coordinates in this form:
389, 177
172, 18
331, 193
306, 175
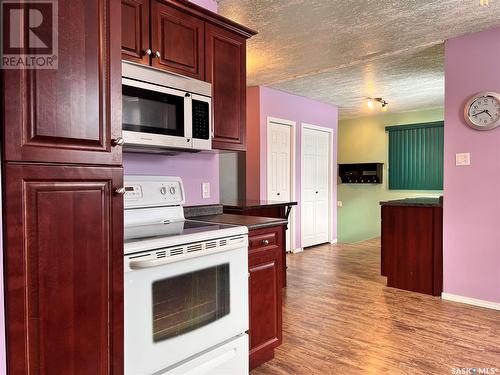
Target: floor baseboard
471, 301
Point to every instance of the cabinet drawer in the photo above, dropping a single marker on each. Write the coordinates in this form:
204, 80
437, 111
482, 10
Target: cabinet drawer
263, 238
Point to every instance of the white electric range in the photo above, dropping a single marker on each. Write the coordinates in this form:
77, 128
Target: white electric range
186, 286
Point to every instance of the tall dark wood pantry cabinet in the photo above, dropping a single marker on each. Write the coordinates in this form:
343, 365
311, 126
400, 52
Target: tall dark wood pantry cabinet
63, 207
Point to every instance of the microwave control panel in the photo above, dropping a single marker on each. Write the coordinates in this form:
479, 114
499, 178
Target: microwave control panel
201, 119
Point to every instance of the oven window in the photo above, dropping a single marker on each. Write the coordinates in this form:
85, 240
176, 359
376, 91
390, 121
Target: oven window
152, 112
187, 302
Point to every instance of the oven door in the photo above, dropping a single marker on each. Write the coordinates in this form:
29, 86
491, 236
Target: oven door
155, 116
177, 310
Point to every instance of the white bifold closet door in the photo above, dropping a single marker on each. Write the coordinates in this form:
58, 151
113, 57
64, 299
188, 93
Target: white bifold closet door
279, 173
316, 193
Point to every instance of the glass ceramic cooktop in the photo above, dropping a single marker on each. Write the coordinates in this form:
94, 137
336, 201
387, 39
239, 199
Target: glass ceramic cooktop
176, 228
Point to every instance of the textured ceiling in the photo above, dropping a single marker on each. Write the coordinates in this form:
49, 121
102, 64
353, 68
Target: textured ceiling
342, 51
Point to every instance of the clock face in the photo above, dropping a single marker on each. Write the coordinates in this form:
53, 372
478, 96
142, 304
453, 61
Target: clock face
482, 112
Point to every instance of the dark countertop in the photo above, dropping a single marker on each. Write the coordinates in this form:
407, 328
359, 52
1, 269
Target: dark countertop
251, 222
420, 202
247, 204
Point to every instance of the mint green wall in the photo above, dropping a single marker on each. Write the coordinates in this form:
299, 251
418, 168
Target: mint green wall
364, 140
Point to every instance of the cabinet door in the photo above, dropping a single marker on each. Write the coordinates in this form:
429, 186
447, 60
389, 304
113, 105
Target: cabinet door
64, 270
264, 267
178, 41
72, 113
135, 31
226, 71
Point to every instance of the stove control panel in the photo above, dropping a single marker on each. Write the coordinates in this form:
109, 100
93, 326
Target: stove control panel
133, 192
153, 191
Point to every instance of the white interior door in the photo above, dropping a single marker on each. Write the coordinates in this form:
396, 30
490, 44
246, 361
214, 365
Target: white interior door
280, 165
316, 186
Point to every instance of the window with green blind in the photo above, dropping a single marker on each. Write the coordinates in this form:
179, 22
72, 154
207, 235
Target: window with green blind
416, 156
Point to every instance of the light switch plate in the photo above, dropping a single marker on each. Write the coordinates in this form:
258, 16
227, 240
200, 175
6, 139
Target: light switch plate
205, 190
462, 158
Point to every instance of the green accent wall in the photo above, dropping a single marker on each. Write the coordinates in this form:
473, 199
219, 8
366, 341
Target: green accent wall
364, 140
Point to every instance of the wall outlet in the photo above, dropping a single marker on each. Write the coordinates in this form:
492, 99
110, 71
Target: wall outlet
339, 203
205, 190
462, 158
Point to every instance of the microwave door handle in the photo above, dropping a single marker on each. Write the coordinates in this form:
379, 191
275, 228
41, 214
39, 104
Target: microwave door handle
212, 120
150, 263
188, 116
212, 126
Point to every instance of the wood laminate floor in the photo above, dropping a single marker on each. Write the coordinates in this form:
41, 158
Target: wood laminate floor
340, 318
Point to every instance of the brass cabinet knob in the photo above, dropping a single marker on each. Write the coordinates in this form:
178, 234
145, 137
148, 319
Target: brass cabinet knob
265, 242
148, 52
118, 141
120, 191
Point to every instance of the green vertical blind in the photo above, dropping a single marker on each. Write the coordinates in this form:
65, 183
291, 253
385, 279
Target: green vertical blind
416, 156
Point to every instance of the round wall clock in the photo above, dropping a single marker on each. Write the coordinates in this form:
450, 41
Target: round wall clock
482, 111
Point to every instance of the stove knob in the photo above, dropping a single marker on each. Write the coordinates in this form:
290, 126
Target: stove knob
172, 190
163, 190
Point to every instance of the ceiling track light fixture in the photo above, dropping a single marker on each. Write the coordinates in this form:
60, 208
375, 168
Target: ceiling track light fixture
371, 103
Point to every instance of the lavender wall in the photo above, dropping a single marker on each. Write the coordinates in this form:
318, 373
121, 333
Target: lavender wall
274, 103
192, 168
207, 4
471, 193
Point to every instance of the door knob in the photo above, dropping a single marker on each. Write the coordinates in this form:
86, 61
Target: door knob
118, 141
120, 191
148, 52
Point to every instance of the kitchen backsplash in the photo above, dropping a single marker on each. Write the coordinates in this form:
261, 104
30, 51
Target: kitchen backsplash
194, 169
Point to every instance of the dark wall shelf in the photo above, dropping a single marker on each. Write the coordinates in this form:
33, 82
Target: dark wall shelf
361, 173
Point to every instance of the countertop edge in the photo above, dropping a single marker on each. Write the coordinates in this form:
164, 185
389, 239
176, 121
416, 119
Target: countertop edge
268, 221
414, 202
254, 206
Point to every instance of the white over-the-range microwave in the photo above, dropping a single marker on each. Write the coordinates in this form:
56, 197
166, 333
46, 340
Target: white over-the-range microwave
163, 111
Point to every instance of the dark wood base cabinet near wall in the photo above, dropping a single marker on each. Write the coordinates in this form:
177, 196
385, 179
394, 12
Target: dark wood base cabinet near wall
265, 293
264, 209
183, 38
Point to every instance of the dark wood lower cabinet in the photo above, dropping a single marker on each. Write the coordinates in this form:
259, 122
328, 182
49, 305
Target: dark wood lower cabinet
265, 293
273, 211
63, 270
412, 247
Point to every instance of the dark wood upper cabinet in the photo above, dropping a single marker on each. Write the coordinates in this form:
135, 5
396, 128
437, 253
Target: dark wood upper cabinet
70, 114
177, 41
265, 293
64, 270
189, 40
226, 70
135, 31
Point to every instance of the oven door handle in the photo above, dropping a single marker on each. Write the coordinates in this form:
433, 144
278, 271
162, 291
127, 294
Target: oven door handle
150, 263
